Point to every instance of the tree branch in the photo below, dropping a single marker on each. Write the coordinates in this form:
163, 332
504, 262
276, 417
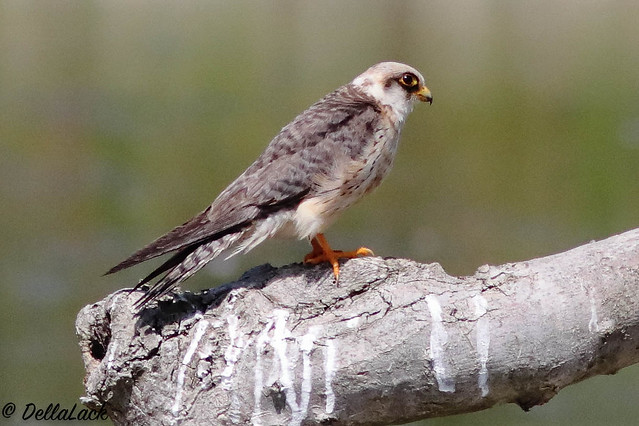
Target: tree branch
395, 341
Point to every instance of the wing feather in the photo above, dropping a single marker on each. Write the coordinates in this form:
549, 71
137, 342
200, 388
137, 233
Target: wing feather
281, 177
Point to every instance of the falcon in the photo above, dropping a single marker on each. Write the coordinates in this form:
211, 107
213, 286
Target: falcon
326, 159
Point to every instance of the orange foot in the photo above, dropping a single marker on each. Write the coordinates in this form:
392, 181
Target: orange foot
322, 252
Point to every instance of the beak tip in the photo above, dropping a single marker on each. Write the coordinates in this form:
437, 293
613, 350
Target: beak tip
425, 96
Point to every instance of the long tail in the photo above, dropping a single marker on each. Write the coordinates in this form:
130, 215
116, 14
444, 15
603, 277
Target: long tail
184, 264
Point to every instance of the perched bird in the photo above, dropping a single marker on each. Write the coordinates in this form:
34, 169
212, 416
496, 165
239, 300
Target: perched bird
326, 159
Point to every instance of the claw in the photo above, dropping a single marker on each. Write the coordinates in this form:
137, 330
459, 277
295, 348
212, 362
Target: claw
322, 252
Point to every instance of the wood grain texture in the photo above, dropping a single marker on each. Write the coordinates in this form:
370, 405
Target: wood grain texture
395, 341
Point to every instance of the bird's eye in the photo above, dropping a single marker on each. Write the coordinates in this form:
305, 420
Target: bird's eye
409, 81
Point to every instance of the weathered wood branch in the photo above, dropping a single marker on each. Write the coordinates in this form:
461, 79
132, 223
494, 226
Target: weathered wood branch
395, 341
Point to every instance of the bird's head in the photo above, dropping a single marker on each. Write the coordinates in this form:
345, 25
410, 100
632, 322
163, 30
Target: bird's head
395, 85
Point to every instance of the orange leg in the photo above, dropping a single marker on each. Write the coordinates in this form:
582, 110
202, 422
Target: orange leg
322, 252
317, 251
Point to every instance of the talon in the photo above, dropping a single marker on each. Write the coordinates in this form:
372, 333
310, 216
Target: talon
322, 252
363, 251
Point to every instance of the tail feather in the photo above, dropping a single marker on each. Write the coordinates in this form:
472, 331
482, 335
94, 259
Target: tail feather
184, 264
175, 260
181, 238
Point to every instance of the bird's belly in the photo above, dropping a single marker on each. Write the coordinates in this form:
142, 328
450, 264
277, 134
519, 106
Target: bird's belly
343, 190
366, 173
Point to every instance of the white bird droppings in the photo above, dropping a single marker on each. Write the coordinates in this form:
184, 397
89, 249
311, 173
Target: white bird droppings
306, 346
438, 339
285, 355
232, 351
330, 366
482, 341
280, 345
197, 336
112, 349
262, 340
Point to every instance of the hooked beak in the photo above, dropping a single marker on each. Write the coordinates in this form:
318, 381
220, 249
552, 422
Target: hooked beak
423, 94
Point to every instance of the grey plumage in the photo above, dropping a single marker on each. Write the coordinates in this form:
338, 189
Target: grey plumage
338, 149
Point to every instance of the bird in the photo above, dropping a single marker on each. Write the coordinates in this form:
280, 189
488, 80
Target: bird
321, 163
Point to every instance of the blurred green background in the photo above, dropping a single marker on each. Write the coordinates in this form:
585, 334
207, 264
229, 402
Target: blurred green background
122, 119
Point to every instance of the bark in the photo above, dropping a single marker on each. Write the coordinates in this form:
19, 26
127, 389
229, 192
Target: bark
394, 341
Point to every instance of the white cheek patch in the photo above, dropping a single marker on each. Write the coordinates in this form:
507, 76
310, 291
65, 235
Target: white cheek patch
393, 96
